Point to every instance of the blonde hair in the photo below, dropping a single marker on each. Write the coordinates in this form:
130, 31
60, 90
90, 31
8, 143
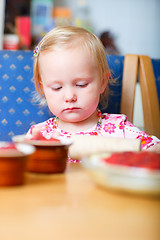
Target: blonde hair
68, 37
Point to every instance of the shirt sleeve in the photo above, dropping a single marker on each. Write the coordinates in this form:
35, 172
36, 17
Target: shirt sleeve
131, 131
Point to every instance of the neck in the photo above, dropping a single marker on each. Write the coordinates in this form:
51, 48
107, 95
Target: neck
81, 126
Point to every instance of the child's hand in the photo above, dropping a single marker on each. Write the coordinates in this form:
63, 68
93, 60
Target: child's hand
36, 130
41, 131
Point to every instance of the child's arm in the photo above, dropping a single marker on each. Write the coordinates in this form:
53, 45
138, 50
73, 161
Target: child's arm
155, 148
149, 143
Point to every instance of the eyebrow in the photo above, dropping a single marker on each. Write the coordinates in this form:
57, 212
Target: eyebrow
82, 78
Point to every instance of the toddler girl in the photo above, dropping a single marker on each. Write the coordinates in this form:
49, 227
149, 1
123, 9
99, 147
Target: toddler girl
71, 75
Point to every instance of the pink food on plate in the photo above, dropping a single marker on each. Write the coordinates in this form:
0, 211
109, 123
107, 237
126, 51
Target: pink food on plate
148, 160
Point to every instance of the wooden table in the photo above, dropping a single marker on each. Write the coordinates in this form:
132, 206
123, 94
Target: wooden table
71, 207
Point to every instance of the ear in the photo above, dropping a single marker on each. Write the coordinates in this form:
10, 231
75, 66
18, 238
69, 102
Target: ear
105, 81
41, 88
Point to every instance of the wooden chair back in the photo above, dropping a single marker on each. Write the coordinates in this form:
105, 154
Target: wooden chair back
129, 80
151, 111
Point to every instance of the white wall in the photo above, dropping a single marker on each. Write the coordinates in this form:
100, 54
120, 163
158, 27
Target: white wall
135, 23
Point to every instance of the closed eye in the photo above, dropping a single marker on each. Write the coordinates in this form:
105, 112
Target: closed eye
56, 88
82, 85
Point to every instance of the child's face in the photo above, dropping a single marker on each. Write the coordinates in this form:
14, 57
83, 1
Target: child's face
71, 83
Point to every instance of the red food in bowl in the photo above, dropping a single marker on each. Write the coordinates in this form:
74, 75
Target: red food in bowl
8, 145
40, 137
144, 159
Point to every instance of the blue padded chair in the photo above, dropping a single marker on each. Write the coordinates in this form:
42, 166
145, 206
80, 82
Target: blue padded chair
115, 64
156, 70
122, 89
18, 110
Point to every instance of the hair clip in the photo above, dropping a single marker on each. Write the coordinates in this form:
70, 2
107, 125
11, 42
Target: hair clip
36, 51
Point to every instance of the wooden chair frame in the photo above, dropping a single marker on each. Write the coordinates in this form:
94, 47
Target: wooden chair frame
130, 73
150, 102
141, 66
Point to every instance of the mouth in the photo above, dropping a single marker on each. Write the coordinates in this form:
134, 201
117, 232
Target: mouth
72, 109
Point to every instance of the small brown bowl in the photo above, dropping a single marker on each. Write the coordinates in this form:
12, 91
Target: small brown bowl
49, 157
13, 158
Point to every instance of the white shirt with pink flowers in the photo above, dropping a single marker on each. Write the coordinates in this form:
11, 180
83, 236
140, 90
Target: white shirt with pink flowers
109, 125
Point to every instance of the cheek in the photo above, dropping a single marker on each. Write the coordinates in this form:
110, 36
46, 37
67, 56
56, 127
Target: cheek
48, 92
94, 92
53, 104
91, 98
51, 98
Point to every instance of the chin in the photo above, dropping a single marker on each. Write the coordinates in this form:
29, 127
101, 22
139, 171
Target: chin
73, 119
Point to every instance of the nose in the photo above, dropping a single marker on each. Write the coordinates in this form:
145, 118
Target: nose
70, 96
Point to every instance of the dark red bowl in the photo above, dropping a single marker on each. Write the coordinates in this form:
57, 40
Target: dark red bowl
49, 157
13, 159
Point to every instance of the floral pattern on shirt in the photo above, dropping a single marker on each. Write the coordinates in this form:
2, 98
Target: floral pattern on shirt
145, 140
109, 127
112, 125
